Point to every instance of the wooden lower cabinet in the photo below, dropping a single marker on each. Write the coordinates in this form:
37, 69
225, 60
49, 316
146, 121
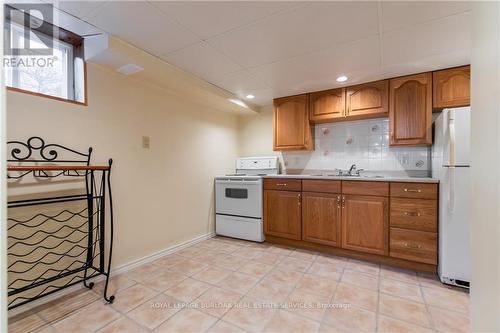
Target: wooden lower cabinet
419, 246
282, 214
321, 218
365, 223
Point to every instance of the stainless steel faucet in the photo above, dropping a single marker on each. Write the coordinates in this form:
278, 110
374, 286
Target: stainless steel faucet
351, 169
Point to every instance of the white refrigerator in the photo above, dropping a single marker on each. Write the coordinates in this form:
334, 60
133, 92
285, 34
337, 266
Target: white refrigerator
451, 165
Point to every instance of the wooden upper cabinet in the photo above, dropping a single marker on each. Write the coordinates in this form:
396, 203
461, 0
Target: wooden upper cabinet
321, 218
368, 100
451, 87
282, 214
410, 110
365, 224
292, 130
327, 106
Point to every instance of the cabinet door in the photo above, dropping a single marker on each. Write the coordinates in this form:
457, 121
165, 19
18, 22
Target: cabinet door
282, 214
410, 110
321, 218
365, 224
328, 105
451, 87
292, 130
368, 100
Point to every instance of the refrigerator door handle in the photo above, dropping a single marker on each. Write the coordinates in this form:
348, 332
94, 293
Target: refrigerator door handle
451, 129
451, 190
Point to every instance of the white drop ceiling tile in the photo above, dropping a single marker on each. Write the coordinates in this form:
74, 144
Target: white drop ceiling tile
297, 31
398, 14
78, 8
320, 69
202, 60
425, 40
210, 18
240, 83
140, 24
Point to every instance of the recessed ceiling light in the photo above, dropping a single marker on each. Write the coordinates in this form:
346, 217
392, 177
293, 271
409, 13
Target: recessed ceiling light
342, 78
238, 102
250, 96
130, 69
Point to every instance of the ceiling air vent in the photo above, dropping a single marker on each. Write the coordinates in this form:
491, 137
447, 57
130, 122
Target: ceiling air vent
129, 69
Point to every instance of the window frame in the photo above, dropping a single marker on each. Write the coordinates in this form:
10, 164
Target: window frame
71, 79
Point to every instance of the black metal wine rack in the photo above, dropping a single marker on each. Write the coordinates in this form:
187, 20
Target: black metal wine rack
60, 239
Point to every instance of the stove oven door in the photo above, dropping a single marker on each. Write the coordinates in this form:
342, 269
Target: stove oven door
239, 197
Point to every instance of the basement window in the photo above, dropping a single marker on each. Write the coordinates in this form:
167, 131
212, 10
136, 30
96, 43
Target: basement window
47, 61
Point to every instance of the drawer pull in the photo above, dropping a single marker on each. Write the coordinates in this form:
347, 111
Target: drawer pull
298, 199
412, 214
280, 184
413, 246
410, 190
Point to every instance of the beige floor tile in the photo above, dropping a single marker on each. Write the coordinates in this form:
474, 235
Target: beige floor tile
217, 301
399, 274
88, 319
170, 260
116, 284
247, 252
317, 285
447, 298
229, 248
403, 309
249, 315
391, 325
294, 264
331, 271
132, 297
363, 267
44, 329
230, 262
212, 244
25, 323
142, 272
212, 275
269, 258
239, 282
429, 280
187, 320
163, 280
189, 267
340, 262
360, 297
155, 311
401, 289
359, 279
187, 290
449, 321
208, 256
303, 255
66, 305
309, 305
224, 327
284, 321
270, 291
189, 252
286, 277
282, 250
256, 268
350, 319
122, 325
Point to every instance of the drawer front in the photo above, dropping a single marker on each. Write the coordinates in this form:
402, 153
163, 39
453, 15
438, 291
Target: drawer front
419, 246
415, 214
322, 186
359, 187
283, 184
414, 190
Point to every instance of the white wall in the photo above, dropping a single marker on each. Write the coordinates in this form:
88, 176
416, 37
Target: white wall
485, 167
162, 196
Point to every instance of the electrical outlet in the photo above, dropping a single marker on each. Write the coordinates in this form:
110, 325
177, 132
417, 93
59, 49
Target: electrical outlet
145, 142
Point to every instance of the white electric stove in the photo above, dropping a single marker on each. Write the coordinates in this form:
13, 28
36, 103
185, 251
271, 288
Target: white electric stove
238, 198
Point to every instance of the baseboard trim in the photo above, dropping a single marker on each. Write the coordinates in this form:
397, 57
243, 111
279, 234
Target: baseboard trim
115, 271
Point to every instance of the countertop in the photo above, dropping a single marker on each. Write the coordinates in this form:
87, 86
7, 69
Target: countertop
378, 177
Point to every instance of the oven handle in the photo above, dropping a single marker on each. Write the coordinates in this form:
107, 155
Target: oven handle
238, 182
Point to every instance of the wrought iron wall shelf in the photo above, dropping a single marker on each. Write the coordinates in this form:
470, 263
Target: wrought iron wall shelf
57, 241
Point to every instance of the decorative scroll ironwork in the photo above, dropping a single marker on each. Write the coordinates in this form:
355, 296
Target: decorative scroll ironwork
48, 252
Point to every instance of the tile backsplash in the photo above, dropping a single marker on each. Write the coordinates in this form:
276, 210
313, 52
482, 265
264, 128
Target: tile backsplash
364, 142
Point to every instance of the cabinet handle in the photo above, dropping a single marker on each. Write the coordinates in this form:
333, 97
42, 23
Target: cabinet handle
413, 246
298, 199
410, 190
412, 213
280, 184
343, 201
338, 201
